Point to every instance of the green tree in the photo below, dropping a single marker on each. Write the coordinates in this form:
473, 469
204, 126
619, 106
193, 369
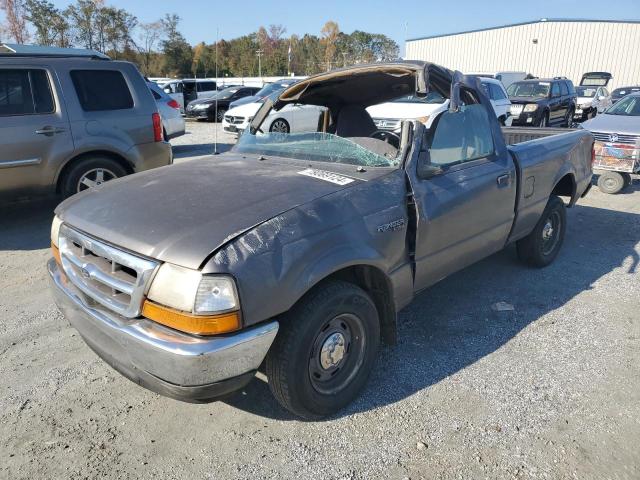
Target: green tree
177, 52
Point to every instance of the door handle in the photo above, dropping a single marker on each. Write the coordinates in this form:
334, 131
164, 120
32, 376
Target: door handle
503, 180
49, 131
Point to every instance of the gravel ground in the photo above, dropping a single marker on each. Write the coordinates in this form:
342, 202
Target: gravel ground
548, 390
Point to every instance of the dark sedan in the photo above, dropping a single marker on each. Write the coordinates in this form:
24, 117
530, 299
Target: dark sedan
622, 92
214, 108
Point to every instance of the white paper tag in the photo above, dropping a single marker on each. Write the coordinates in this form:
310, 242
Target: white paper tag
326, 176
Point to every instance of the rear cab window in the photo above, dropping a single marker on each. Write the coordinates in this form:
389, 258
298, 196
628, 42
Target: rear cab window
25, 92
102, 90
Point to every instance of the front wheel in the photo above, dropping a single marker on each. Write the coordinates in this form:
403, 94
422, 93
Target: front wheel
324, 351
541, 247
544, 121
611, 182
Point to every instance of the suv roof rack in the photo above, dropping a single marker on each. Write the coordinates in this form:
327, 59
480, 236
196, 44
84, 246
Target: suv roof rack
17, 50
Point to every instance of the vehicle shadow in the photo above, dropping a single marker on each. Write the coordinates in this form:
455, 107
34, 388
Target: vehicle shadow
452, 325
26, 225
198, 150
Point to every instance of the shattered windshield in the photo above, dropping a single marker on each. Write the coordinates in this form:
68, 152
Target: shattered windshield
313, 146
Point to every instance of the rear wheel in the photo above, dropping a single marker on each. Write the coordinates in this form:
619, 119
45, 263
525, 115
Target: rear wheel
279, 125
627, 179
569, 118
90, 172
324, 350
611, 182
541, 247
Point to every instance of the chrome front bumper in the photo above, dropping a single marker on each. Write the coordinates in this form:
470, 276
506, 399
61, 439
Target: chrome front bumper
174, 364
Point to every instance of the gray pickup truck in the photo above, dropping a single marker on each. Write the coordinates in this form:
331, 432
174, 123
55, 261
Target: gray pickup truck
293, 253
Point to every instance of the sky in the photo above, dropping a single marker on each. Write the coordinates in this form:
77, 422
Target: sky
201, 18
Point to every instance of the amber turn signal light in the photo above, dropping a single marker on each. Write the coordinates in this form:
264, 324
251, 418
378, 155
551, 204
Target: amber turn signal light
56, 254
189, 323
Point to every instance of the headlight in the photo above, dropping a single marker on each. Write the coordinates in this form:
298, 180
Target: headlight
201, 106
55, 230
216, 294
189, 301
530, 107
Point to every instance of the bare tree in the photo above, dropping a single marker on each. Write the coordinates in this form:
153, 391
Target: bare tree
148, 38
330, 33
16, 20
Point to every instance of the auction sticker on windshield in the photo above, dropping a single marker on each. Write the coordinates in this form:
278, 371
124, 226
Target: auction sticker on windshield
326, 176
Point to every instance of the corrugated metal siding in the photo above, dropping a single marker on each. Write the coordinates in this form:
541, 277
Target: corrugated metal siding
563, 49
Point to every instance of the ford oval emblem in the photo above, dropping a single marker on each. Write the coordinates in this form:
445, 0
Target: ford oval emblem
613, 137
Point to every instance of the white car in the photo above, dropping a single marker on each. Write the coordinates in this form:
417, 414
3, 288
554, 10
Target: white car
172, 122
291, 118
497, 94
591, 101
389, 115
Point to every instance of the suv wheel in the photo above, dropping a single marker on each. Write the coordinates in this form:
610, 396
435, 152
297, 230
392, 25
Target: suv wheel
324, 351
90, 172
544, 121
569, 117
540, 248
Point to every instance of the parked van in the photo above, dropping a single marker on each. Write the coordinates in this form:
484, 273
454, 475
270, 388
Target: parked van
507, 78
188, 89
73, 119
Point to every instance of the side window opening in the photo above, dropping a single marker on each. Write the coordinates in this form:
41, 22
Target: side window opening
461, 136
25, 92
101, 90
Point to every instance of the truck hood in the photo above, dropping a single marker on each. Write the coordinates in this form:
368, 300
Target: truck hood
182, 213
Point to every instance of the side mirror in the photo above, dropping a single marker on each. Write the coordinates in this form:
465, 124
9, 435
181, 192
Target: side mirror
426, 169
167, 89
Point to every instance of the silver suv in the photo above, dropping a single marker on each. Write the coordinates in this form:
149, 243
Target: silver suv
71, 119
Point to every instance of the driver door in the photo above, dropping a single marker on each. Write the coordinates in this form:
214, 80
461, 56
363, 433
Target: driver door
465, 207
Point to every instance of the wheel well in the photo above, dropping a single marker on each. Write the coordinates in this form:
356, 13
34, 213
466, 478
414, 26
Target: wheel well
566, 187
97, 153
373, 281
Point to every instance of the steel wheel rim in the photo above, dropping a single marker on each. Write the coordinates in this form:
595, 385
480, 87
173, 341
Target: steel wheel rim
610, 183
279, 126
551, 233
94, 177
337, 354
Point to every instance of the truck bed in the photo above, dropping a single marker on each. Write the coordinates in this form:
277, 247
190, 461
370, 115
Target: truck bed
515, 135
543, 157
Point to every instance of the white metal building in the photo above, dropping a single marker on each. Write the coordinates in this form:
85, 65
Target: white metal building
544, 48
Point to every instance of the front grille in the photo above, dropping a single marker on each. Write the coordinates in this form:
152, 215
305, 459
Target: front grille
234, 120
616, 138
516, 109
387, 123
111, 277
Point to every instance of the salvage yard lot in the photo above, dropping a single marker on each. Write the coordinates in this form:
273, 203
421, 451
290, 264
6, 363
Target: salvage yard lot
550, 389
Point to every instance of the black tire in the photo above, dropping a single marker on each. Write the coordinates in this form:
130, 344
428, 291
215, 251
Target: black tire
544, 120
611, 182
71, 182
280, 125
220, 115
569, 118
627, 179
298, 378
541, 247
